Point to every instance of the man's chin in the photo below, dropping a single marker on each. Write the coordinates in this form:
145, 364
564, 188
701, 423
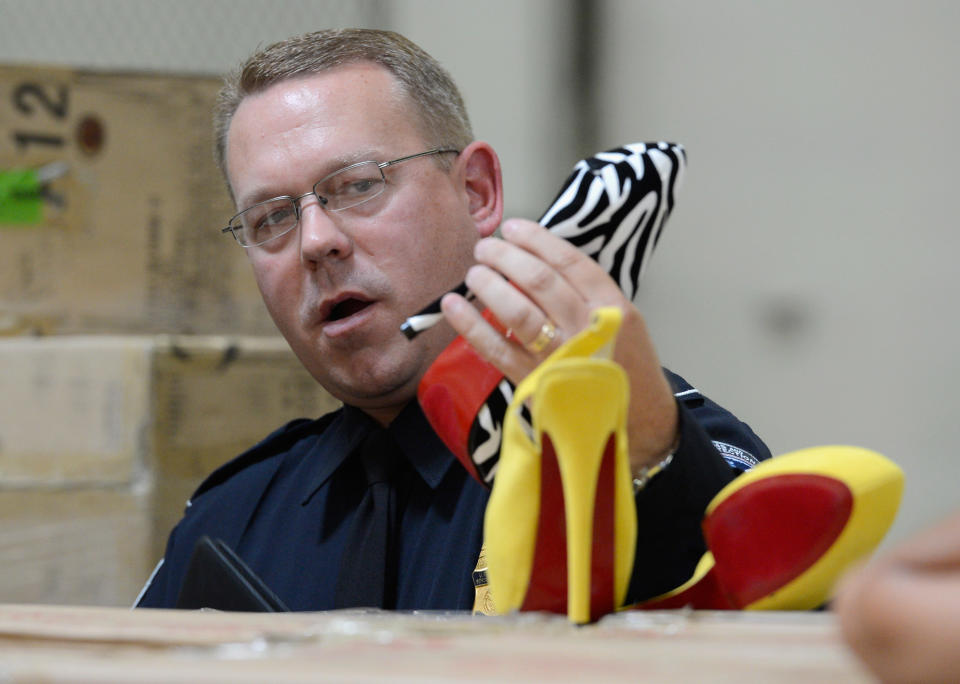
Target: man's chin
374, 390
383, 404
372, 378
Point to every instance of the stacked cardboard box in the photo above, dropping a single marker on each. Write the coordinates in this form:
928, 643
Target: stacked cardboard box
123, 234
102, 440
110, 217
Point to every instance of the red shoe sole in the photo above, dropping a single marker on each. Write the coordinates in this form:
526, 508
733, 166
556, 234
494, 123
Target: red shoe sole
548, 590
768, 533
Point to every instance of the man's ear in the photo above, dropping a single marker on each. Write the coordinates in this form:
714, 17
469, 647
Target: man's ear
479, 169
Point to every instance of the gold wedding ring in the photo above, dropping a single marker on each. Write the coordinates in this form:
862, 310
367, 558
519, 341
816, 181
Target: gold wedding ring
547, 332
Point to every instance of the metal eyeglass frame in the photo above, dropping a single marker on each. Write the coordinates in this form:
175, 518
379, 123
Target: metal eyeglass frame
323, 200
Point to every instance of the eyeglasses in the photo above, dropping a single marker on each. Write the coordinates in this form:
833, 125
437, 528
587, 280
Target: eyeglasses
343, 189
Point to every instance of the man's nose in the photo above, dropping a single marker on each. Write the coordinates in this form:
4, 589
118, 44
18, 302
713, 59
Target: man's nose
320, 235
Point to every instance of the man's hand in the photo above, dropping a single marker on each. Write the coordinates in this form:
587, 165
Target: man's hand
553, 284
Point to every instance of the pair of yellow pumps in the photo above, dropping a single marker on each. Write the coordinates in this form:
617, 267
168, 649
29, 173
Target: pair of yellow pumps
560, 526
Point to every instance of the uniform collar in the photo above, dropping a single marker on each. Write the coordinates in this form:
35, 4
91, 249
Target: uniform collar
420, 445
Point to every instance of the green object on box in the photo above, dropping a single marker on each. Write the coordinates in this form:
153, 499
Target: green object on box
20, 199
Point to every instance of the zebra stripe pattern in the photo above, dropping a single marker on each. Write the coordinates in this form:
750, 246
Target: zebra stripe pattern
613, 208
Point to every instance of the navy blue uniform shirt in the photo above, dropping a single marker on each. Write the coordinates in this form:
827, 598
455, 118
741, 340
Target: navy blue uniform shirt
286, 506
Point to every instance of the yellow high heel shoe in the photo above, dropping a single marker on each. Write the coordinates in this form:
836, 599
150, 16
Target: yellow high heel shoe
782, 534
560, 526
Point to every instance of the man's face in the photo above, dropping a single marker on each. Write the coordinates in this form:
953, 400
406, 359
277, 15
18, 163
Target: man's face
339, 286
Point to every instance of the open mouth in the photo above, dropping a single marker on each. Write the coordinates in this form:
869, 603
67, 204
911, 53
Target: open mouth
347, 307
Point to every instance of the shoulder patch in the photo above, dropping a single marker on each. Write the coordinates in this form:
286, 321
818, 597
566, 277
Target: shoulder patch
735, 456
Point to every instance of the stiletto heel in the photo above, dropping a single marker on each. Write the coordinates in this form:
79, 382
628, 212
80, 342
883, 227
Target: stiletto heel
560, 525
588, 444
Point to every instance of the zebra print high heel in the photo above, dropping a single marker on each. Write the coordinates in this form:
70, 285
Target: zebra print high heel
613, 207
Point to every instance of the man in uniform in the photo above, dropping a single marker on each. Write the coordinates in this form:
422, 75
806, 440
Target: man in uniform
363, 196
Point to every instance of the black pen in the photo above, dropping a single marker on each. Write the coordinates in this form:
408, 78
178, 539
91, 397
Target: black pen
430, 315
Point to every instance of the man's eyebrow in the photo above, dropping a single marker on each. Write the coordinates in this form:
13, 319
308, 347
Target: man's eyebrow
322, 171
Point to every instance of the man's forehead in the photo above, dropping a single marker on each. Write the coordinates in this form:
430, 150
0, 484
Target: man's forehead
346, 94
341, 116
351, 83
351, 76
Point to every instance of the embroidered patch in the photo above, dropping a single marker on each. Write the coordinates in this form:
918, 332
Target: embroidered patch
735, 456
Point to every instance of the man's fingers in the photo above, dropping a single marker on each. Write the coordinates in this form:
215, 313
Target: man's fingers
512, 305
580, 272
511, 359
546, 292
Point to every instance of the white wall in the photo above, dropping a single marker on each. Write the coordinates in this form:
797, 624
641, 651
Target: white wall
808, 278
175, 36
508, 57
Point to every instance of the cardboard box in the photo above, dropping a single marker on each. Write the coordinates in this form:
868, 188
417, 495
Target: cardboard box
87, 546
111, 646
212, 399
103, 439
122, 231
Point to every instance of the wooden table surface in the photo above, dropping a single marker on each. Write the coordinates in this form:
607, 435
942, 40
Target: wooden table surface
103, 645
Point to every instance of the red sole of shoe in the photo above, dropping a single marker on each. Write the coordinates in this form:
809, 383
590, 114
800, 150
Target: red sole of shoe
768, 533
548, 590
548, 575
